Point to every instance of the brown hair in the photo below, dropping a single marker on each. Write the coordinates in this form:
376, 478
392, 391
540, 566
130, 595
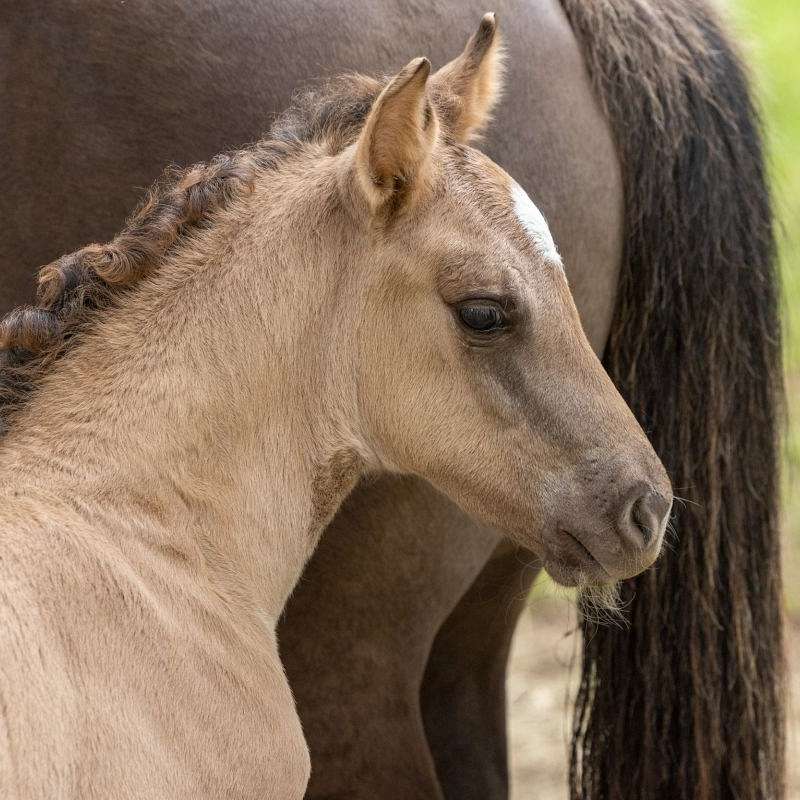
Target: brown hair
74, 288
687, 703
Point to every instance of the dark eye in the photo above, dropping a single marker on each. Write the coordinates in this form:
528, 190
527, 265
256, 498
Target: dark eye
483, 317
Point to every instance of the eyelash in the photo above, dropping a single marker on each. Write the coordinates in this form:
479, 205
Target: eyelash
493, 312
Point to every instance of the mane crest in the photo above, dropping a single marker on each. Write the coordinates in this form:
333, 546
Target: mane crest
72, 290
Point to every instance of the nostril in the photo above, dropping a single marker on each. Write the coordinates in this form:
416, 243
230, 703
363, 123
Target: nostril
648, 515
643, 519
659, 505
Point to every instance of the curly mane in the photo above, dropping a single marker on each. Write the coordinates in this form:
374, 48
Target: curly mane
74, 289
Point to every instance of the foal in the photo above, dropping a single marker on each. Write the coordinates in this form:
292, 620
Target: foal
191, 403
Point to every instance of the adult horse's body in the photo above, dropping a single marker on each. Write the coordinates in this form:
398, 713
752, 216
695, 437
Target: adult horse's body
388, 595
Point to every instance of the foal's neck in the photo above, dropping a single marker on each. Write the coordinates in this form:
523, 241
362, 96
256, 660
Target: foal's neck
200, 413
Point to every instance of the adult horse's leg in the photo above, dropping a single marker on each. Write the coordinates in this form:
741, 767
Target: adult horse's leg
464, 690
357, 633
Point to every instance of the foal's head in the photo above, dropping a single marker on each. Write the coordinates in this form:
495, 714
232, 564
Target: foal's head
403, 299
473, 370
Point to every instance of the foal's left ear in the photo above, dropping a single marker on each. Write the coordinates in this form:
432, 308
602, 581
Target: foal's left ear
466, 90
398, 136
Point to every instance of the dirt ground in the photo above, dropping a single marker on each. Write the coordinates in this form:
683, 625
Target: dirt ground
542, 674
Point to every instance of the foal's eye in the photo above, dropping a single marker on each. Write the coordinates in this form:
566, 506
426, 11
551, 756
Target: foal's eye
483, 317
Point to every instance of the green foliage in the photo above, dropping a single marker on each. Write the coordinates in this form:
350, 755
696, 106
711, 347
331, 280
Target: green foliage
770, 30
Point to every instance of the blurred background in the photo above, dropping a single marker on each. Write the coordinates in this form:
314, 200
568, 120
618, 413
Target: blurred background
544, 660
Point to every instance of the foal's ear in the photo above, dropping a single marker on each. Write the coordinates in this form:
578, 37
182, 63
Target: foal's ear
398, 135
466, 89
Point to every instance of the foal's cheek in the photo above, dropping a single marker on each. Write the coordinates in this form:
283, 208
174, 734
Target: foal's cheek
410, 399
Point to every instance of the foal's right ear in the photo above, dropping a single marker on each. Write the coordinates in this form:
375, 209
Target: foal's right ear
398, 136
467, 89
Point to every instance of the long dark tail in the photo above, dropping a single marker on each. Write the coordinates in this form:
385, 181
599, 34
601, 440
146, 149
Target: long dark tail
688, 703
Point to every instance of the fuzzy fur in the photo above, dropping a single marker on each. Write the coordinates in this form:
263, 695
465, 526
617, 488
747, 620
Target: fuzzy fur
193, 401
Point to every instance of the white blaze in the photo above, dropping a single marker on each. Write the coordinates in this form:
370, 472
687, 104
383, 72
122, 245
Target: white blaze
534, 223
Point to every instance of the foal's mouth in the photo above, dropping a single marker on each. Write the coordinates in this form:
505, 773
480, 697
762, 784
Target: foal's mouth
571, 563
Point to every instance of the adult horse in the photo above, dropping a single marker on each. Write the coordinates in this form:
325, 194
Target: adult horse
632, 128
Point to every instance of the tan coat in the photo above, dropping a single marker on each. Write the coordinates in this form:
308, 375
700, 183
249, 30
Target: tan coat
378, 298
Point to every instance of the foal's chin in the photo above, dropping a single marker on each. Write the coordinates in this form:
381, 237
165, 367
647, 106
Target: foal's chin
570, 575
598, 595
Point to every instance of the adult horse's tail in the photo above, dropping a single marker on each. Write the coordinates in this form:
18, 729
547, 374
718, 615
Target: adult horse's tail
687, 702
